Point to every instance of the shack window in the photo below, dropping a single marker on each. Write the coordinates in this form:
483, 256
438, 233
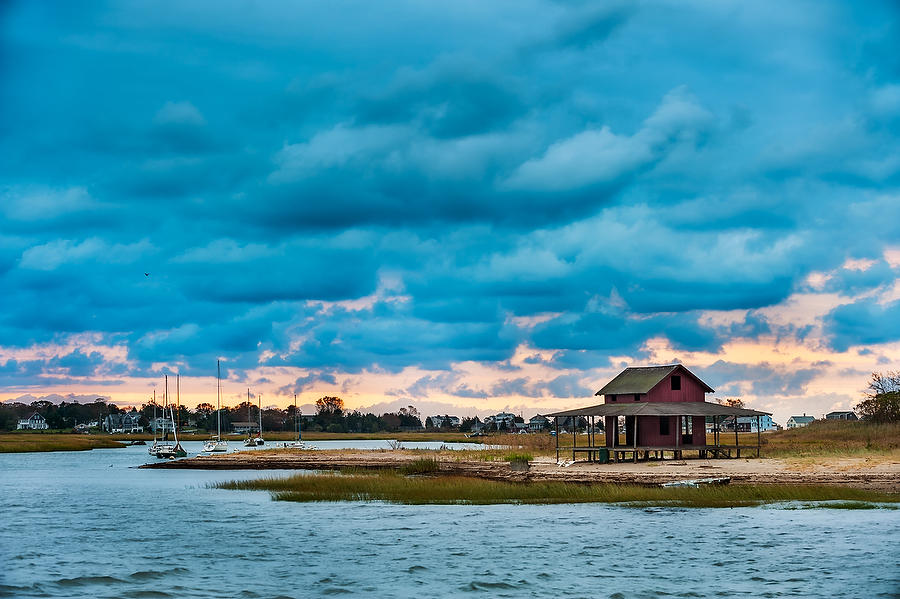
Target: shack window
676, 383
611, 397
687, 425
663, 426
637, 397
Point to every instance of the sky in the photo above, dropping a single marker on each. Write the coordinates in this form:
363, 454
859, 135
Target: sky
462, 206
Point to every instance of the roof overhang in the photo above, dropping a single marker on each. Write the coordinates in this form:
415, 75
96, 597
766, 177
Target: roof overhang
673, 408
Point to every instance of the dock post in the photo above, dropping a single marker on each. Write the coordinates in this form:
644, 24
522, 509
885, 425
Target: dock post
556, 436
574, 435
675, 455
758, 439
635, 438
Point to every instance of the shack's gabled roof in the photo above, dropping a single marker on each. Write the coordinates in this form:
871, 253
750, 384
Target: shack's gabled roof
641, 379
660, 408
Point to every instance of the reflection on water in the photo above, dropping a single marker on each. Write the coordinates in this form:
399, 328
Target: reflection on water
78, 524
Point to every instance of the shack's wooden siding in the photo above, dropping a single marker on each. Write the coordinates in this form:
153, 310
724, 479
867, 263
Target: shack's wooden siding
648, 431
690, 389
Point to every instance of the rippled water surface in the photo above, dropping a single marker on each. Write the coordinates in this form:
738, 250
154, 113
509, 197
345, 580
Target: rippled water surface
88, 524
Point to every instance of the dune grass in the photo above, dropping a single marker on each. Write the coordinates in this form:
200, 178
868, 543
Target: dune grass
392, 487
833, 438
26, 442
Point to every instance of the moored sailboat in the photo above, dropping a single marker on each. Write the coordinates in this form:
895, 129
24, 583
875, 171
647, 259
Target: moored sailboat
173, 451
298, 444
252, 441
217, 444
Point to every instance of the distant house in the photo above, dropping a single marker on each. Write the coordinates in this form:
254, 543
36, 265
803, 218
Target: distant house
747, 424
161, 424
502, 420
841, 415
35, 422
245, 427
128, 422
799, 421
131, 423
538, 423
441, 421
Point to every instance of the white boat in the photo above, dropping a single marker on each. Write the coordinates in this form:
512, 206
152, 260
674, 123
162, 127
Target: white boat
298, 444
154, 449
167, 450
217, 444
258, 439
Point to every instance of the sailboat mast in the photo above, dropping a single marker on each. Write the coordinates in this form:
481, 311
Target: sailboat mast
165, 407
260, 414
297, 418
218, 400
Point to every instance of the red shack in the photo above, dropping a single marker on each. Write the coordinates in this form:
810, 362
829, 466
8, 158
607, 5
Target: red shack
660, 409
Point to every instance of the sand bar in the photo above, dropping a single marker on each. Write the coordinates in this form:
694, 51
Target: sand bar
865, 473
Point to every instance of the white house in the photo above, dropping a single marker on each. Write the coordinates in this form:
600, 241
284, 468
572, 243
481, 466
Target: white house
538, 423
441, 422
34, 422
747, 424
129, 422
162, 425
799, 421
495, 421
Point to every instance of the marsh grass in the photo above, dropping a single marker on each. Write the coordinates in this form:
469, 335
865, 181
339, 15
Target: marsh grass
392, 487
421, 466
26, 442
518, 457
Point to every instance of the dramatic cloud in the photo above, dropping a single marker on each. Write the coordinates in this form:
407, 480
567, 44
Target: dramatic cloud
459, 204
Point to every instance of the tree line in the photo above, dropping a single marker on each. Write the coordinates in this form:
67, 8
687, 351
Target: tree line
330, 416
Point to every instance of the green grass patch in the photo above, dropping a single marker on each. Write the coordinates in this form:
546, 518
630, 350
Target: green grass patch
518, 457
421, 466
27, 442
393, 487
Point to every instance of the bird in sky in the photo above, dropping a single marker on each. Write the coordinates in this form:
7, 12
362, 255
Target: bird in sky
146, 274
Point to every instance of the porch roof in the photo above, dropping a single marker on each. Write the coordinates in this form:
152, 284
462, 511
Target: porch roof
673, 408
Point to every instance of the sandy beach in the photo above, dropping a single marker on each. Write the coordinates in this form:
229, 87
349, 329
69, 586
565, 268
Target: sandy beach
873, 473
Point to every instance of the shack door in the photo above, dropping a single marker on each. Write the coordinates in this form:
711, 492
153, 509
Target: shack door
629, 431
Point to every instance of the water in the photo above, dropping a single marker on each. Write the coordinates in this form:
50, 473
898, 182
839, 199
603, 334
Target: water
88, 524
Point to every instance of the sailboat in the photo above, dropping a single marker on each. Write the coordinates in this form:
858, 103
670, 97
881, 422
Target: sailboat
217, 444
166, 449
154, 449
173, 451
298, 444
252, 441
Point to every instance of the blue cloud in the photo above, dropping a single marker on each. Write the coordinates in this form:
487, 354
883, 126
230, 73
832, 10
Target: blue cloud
596, 168
865, 322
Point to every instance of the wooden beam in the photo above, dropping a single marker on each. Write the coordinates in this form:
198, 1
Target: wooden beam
738, 445
574, 435
556, 421
758, 443
677, 437
635, 438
